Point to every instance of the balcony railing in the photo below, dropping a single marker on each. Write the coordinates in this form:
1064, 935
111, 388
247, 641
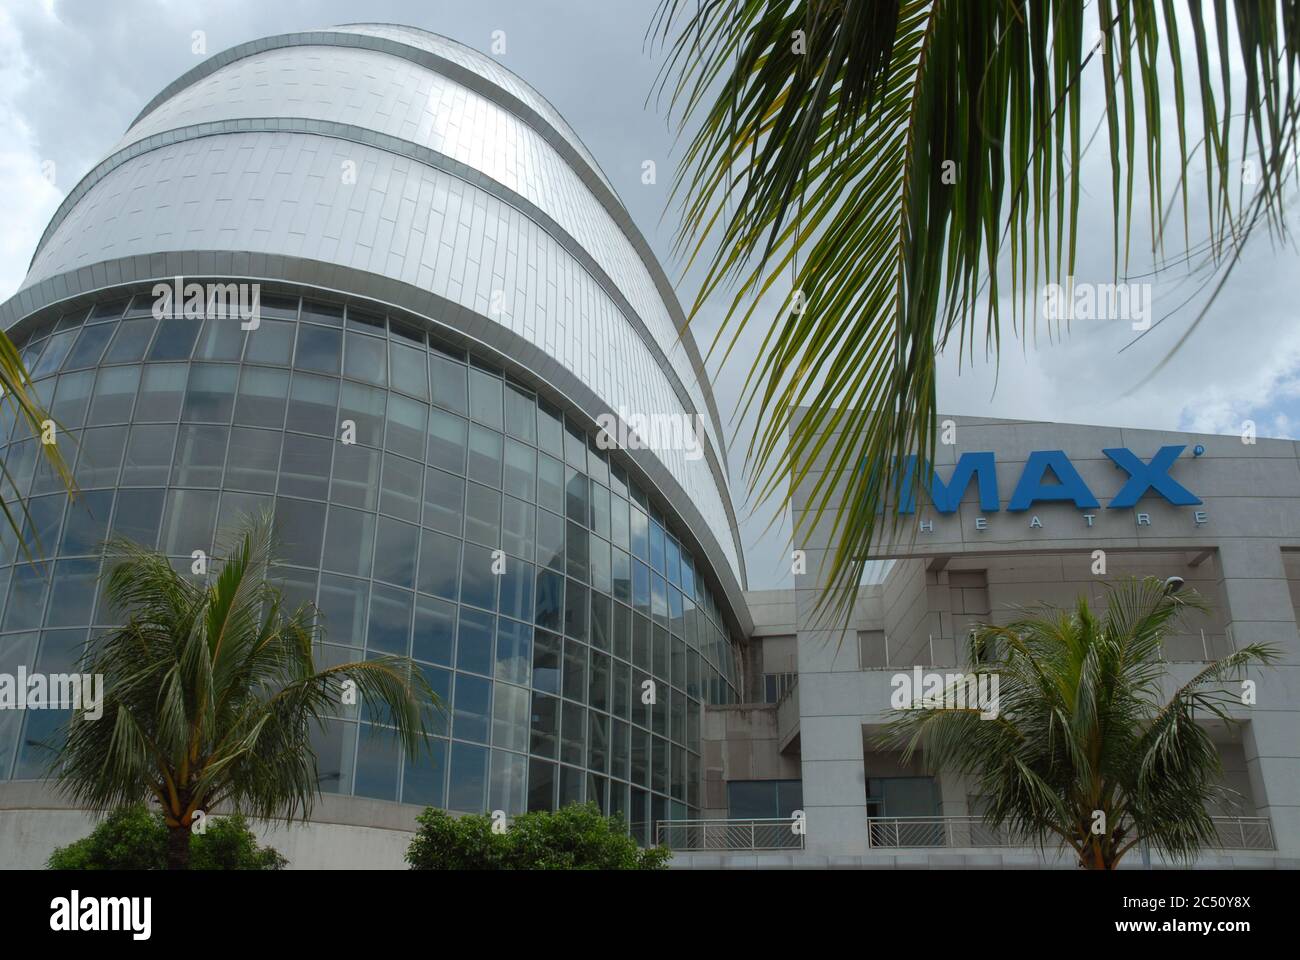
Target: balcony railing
1235, 833
734, 835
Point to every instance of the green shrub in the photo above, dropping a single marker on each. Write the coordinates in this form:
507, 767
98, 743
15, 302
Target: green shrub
575, 837
133, 838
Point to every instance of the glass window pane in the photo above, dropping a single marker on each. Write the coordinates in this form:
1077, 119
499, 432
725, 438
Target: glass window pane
575, 446
390, 620
439, 569
600, 570
517, 589
365, 407
210, 395
356, 476
573, 733
56, 351
86, 527
114, 395
99, 456
484, 455
435, 626
335, 746
483, 515
575, 610
189, 522
161, 391
72, 398
327, 313
449, 386
598, 741
271, 342
410, 373
547, 649
254, 457
221, 339
518, 520
576, 551
313, 405
90, 345
541, 785
444, 501
300, 527
447, 441
550, 484
575, 671
175, 339
521, 471
474, 635
138, 515
72, 593
305, 466
521, 420
472, 715
507, 786
514, 653
131, 340
550, 540
550, 429
478, 582
378, 758
200, 454
575, 497
395, 549
549, 606
544, 737
424, 780
485, 403
366, 358
401, 488
468, 788
318, 349
406, 426
348, 540
343, 608
262, 393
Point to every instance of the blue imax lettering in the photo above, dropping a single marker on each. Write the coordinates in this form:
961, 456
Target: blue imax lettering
1034, 485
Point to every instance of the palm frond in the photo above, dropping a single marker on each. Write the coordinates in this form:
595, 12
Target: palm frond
905, 166
21, 407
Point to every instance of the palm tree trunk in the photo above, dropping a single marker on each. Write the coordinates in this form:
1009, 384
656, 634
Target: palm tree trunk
178, 847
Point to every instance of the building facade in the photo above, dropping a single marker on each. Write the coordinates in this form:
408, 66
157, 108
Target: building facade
1021, 514
449, 298
451, 305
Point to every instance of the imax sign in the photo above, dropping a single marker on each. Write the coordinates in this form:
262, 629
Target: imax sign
1034, 486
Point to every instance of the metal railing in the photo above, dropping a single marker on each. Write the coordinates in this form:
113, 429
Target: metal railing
1235, 833
735, 835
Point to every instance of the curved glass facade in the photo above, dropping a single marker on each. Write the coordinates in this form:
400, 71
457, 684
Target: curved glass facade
396, 465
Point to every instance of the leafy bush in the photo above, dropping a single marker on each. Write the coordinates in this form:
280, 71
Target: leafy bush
132, 838
575, 837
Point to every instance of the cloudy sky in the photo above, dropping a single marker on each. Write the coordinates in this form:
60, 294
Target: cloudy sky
74, 73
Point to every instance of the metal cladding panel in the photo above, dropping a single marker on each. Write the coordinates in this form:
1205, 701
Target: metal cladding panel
399, 99
484, 66
283, 194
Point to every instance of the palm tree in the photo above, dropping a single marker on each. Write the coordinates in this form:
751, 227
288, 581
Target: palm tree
211, 694
893, 169
1086, 749
24, 408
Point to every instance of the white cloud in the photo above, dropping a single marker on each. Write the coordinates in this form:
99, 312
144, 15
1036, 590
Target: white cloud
27, 198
